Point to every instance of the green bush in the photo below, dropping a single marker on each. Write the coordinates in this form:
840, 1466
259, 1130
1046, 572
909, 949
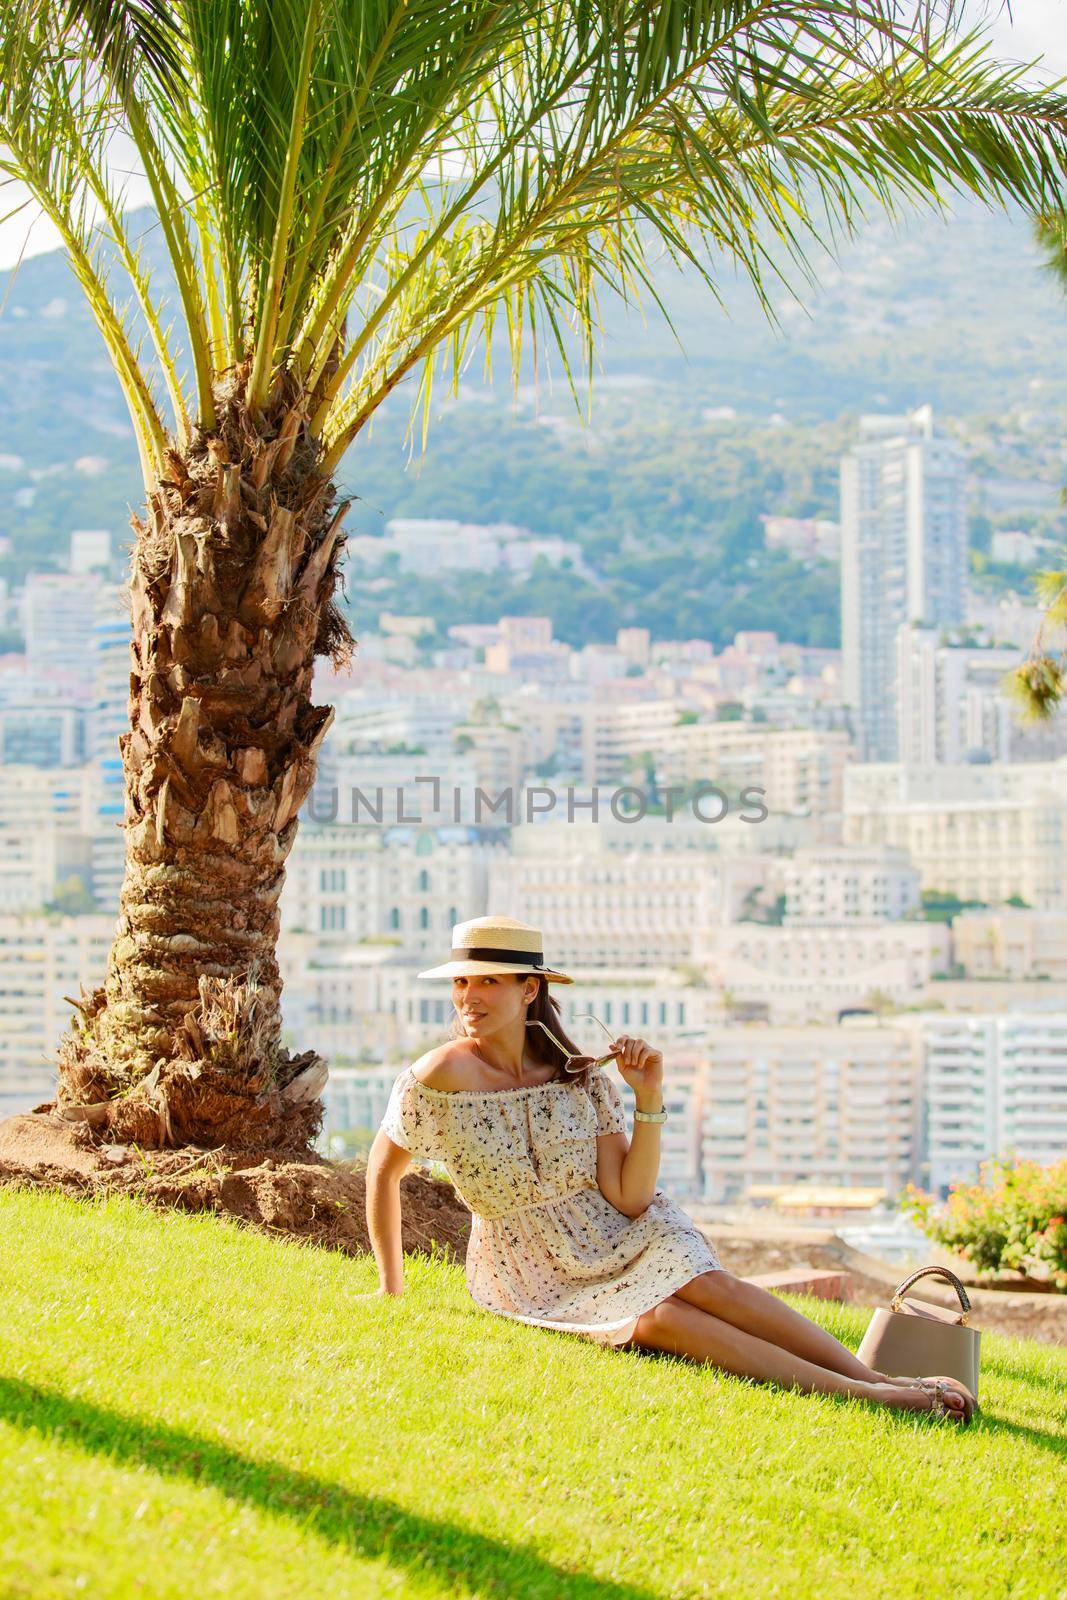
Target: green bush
1014, 1218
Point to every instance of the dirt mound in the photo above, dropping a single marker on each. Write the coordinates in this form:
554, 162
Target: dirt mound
294, 1193
871, 1283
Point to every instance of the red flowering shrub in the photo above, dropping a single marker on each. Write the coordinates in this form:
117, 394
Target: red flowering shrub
1014, 1218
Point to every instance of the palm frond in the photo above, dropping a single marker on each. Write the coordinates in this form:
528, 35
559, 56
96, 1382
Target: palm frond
351, 189
125, 35
728, 165
1050, 233
53, 142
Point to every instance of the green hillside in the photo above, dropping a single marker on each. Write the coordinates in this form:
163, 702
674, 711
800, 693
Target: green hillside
190, 1408
688, 446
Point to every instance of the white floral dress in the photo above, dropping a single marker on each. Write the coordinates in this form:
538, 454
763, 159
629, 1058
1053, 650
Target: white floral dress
545, 1245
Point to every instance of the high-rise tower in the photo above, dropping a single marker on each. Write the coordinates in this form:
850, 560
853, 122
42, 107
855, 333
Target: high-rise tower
903, 559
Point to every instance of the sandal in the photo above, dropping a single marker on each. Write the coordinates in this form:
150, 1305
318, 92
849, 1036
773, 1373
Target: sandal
941, 1407
970, 1401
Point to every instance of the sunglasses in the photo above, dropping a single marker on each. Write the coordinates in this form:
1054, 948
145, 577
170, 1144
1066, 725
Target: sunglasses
573, 1055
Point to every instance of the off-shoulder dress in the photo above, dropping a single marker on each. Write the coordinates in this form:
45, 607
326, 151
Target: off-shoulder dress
546, 1247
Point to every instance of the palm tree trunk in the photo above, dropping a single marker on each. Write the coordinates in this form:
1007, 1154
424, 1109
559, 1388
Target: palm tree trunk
233, 572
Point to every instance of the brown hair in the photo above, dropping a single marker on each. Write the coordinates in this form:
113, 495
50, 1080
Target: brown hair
544, 1007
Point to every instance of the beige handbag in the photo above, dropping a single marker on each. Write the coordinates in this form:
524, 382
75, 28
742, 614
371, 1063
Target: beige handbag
914, 1339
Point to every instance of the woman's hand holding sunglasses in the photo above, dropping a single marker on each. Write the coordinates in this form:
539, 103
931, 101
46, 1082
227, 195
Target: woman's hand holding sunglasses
641, 1067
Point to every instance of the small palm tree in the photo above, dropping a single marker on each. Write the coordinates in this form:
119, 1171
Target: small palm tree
354, 194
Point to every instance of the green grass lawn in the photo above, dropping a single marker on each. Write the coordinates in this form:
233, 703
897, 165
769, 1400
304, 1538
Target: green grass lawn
190, 1408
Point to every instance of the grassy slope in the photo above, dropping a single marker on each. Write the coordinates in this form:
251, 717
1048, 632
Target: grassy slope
190, 1408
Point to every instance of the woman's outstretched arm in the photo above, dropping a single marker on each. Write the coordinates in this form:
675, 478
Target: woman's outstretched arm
386, 1165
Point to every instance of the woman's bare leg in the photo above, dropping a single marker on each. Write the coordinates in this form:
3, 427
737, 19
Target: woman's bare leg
680, 1328
747, 1306
756, 1311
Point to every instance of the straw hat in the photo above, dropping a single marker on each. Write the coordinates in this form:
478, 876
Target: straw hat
495, 944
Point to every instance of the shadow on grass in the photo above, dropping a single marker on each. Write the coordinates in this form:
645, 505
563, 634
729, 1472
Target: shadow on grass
370, 1527
1055, 1442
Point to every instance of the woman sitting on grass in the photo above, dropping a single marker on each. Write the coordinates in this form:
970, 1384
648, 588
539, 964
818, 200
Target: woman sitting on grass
568, 1228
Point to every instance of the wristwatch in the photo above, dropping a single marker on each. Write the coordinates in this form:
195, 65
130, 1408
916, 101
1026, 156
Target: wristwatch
651, 1116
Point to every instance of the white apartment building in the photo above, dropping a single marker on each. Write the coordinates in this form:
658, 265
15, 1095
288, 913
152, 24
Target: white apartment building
1011, 944
845, 887
619, 731
354, 1003
380, 716
799, 770
372, 786
602, 741
57, 615
355, 1099
524, 651
981, 832
35, 798
656, 1003
808, 537
109, 720
43, 958
90, 549
496, 753
40, 730
36, 862
811, 973
620, 895
993, 1085
950, 703
347, 884
903, 558
46, 826
434, 544
1013, 546
441, 544
838, 1105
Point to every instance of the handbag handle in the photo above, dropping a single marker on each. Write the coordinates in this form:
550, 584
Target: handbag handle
940, 1272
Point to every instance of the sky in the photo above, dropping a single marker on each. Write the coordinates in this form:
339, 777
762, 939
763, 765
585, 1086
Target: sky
1035, 28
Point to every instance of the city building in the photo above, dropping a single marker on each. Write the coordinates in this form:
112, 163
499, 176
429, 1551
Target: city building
951, 705
903, 559
982, 832
616, 895
109, 660
355, 883
836, 1105
442, 544
846, 887
42, 960
993, 1085
58, 615
812, 973
806, 538
796, 770
90, 550
1011, 943
40, 728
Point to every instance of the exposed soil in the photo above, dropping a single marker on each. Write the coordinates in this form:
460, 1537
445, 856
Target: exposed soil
294, 1193
298, 1194
1023, 1314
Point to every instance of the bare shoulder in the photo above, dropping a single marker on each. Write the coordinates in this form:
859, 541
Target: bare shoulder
447, 1066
